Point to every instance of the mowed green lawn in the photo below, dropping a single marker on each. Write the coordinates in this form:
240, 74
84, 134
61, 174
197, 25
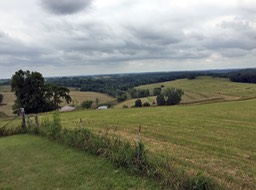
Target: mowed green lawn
218, 139
29, 162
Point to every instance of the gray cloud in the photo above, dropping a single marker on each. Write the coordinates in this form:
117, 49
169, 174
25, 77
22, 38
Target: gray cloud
125, 36
63, 7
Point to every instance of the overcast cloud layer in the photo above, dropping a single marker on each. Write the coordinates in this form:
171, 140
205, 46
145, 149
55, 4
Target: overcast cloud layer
81, 37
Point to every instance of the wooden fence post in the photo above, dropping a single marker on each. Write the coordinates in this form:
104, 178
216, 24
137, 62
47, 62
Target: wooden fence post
22, 112
36, 120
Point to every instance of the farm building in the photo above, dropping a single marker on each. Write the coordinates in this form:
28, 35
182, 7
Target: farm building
102, 107
67, 108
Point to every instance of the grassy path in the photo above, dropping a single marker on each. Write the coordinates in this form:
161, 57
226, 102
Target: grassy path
29, 162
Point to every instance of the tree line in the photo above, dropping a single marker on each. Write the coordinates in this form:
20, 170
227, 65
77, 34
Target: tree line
245, 76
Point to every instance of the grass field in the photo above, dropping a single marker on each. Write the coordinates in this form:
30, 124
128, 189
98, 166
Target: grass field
78, 97
218, 139
201, 90
29, 162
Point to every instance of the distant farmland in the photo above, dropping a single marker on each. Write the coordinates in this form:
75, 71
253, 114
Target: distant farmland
202, 90
77, 97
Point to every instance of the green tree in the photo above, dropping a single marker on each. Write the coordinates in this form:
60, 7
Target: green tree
55, 95
29, 91
160, 100
143, 93
122, 98
156, 91
173, 96
87, 104
138, 103
34, 95
1, 98
133, 93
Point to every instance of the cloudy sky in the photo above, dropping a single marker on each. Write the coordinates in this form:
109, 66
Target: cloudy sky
83, 37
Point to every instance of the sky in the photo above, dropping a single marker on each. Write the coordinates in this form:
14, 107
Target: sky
86, 37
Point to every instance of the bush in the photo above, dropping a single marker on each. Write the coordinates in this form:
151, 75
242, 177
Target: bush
146, 104
160, 100
138, 103
122, 98
157, 91
87, 104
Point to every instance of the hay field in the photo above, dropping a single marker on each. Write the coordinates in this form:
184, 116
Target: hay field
217, 139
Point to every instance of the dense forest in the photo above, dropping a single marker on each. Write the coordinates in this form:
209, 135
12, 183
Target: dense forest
245, 76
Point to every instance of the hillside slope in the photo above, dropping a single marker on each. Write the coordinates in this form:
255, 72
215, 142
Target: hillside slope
202, 89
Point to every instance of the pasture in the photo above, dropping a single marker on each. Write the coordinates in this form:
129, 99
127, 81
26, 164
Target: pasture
29, 162
217, 139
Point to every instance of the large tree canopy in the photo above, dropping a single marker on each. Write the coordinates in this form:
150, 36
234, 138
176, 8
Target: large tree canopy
34, 95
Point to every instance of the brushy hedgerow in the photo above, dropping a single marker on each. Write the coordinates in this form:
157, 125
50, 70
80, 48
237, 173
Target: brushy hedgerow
122, 154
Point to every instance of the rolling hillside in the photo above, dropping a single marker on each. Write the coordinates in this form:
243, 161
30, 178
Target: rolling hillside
203, 89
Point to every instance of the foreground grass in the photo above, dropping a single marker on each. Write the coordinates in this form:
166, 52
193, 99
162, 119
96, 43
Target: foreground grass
29, 162
217, 139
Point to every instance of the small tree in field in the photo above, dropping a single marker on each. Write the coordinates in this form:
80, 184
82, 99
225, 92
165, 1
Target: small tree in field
173, 96
1, 98
138, 103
